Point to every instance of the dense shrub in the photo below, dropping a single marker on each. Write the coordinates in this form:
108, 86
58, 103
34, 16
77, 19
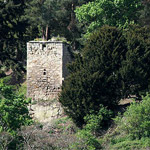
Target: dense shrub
133, 128
95, 121
136, 120
126, 143
89, 134
87, 141
13, 109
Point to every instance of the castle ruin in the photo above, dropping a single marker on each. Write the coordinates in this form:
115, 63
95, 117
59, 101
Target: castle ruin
46, 68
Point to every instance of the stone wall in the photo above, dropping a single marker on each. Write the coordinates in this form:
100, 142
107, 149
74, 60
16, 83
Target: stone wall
46, 68
46, 111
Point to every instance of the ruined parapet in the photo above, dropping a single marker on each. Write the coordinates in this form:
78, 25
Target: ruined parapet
46, 68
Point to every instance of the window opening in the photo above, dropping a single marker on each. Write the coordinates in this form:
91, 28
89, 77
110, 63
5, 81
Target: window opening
44, 72
43, 46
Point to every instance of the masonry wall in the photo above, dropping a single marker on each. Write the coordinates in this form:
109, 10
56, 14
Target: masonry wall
46, 68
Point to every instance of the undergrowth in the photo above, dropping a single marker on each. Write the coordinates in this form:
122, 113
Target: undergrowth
132, 128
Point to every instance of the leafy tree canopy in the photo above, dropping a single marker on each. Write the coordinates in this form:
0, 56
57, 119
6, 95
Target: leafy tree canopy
119, 13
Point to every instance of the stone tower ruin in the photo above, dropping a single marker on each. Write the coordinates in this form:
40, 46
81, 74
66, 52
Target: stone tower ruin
46, 68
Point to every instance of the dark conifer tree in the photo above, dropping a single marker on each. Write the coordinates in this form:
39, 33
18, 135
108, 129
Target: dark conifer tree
95, 78
135, 69
12, 34
55, 17
114, 64
43, 14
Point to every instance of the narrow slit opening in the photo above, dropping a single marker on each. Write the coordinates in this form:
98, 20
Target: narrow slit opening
44, 72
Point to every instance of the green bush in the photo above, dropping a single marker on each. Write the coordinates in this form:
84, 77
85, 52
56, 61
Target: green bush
96, 121
88, 136
94, 76
136, 120
129, 144
13, 109
6, 80
22, 89
87, 141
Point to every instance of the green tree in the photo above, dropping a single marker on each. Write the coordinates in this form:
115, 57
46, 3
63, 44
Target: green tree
119, 13
114, 64
55, 17
95, 78
68, 23
135, 69
12, 34
43, 13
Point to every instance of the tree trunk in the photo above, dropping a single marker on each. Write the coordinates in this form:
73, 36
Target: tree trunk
71, 25
47, 33
43, 34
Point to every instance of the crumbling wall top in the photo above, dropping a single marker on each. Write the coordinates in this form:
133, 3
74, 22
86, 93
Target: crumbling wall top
48, 42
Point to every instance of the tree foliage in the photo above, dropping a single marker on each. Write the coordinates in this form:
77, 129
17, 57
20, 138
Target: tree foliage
13, 109
95, 77
55, 17
114, 64
43, 14
135, 70
136, 120
119, 13
13, 35
72, 28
